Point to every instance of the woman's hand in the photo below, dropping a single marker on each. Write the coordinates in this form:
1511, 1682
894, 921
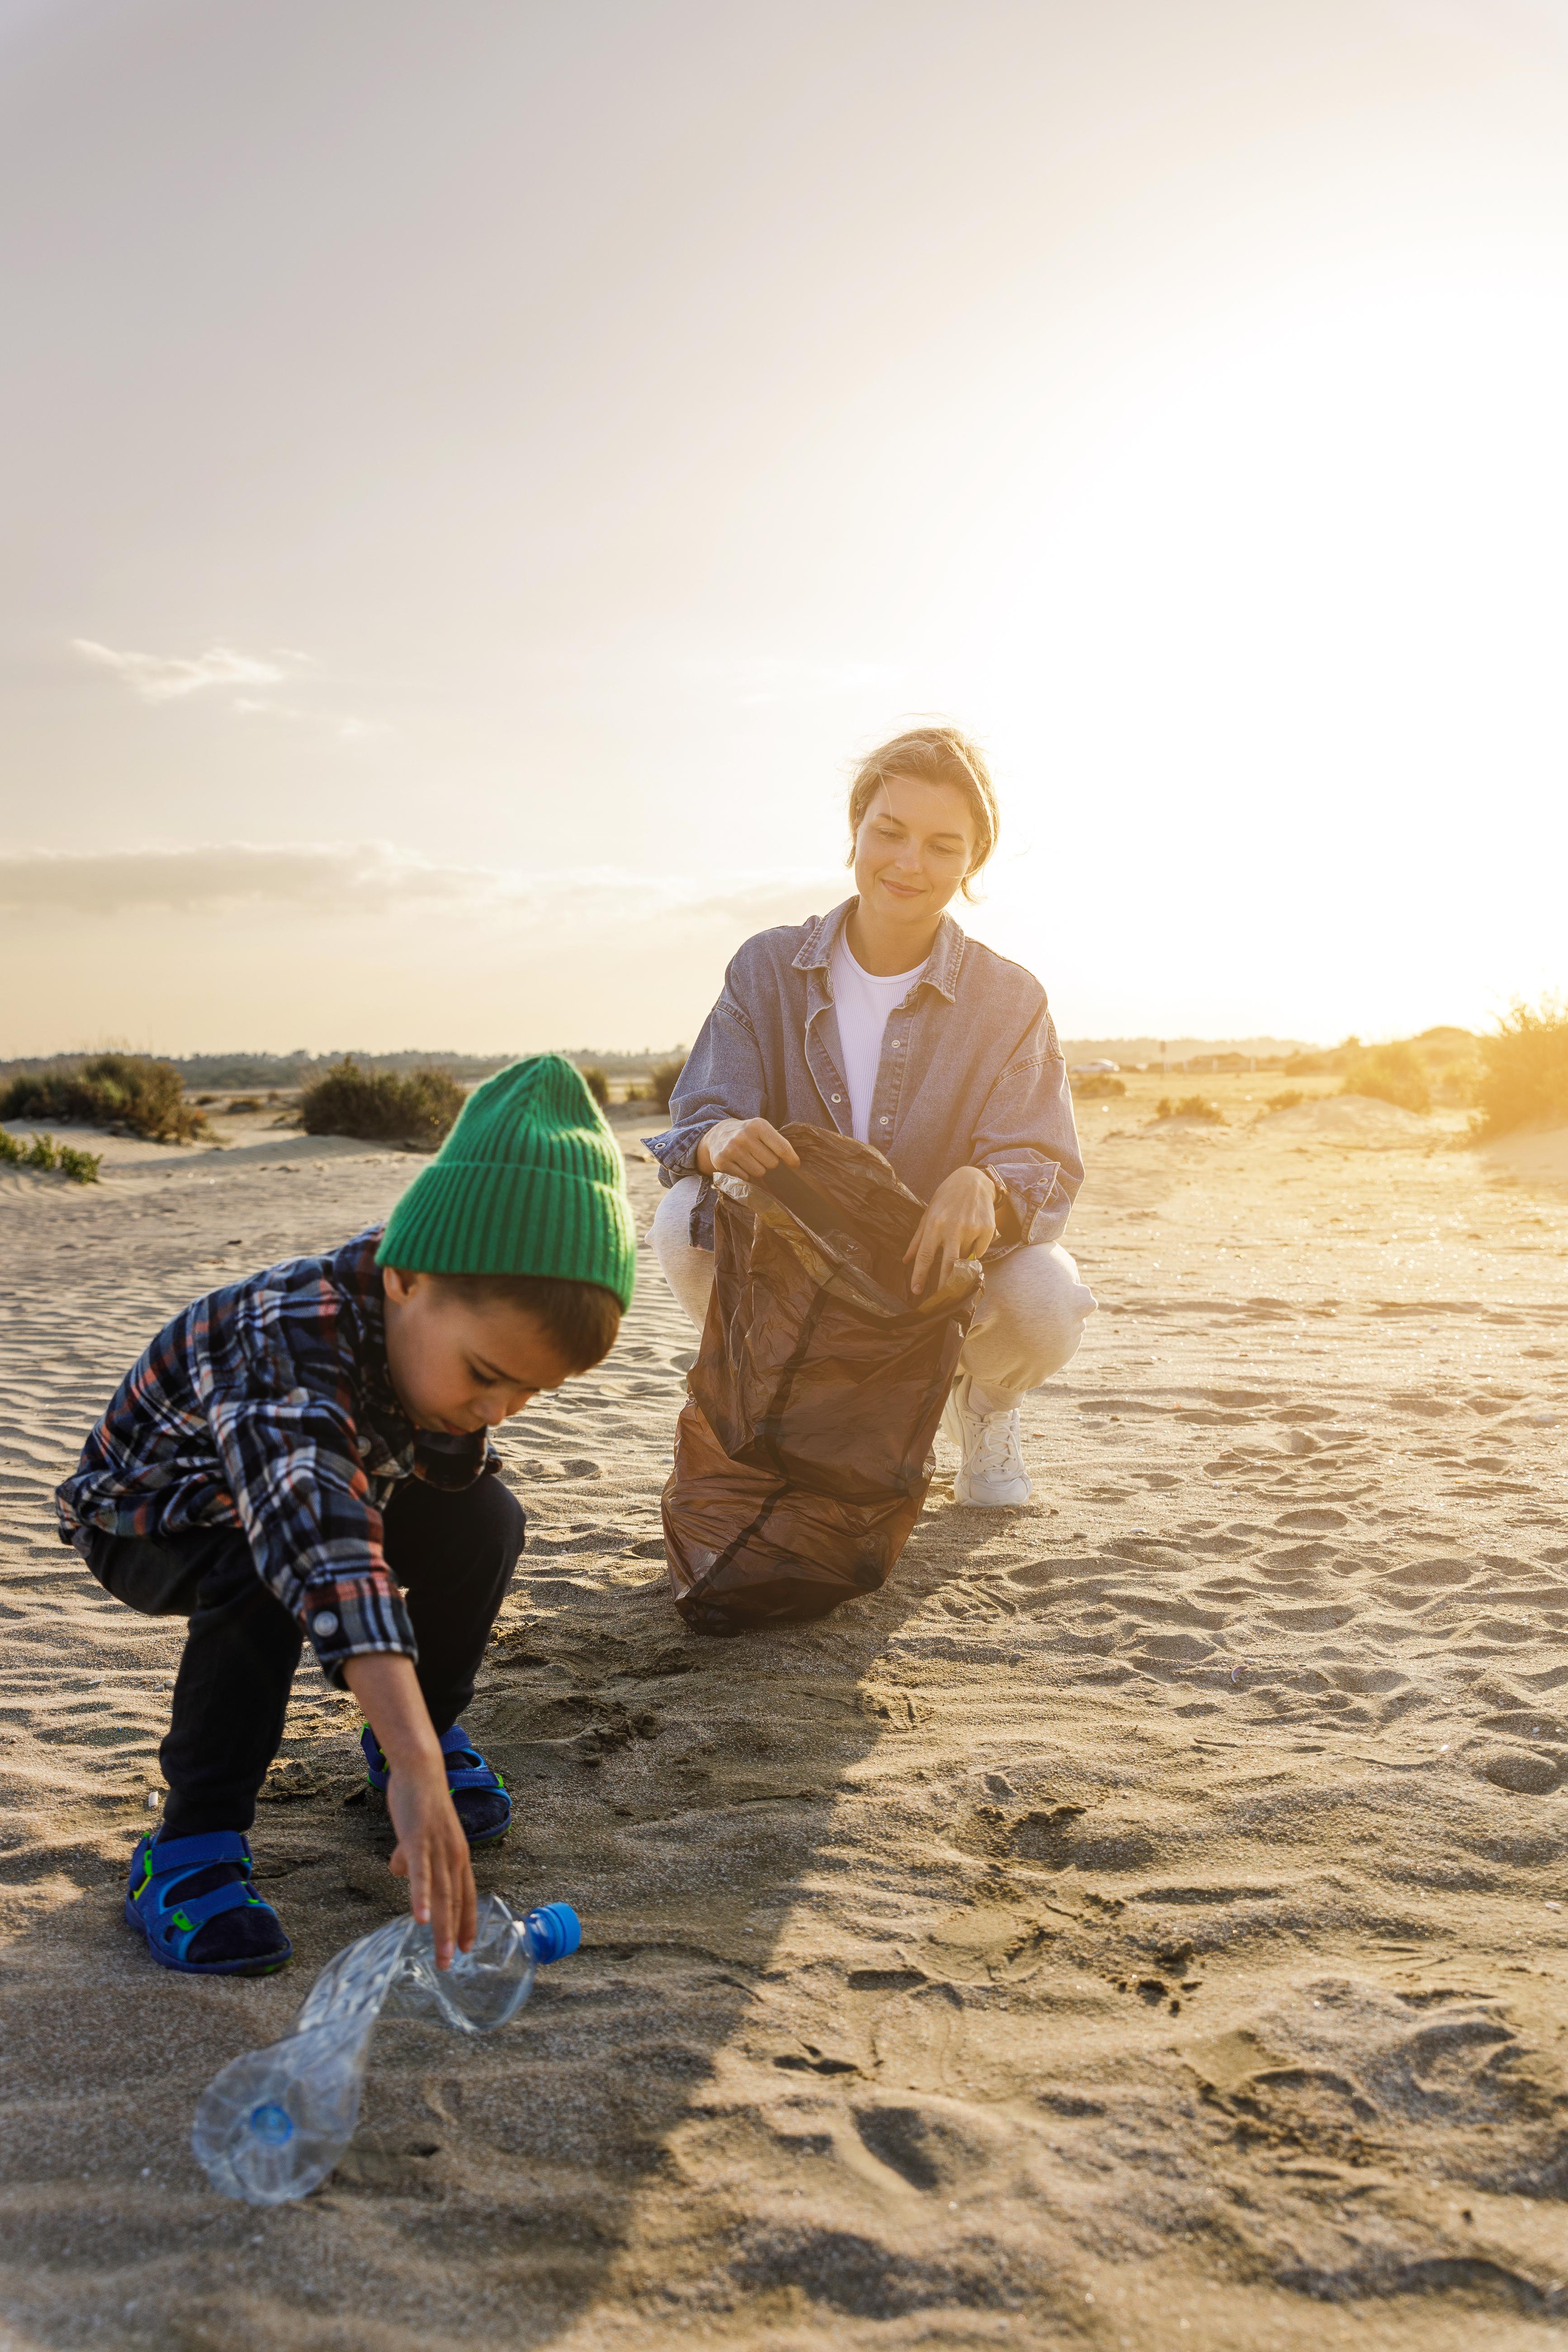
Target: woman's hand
960, 1223
744, 1147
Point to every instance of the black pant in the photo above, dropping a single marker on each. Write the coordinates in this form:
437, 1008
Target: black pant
453, 1554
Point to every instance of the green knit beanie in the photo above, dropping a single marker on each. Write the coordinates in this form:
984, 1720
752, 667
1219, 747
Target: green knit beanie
529, 1181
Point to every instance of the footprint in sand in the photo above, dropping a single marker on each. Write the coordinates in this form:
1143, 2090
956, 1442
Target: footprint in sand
1526, 1774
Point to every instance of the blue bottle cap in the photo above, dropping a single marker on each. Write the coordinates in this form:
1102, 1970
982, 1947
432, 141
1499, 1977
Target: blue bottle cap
554, 1932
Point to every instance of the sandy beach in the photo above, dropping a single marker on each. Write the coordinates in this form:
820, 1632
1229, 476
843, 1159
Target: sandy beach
1143, 1924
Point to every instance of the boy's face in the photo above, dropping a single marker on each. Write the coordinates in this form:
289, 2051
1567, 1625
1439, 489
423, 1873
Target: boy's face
460, 1367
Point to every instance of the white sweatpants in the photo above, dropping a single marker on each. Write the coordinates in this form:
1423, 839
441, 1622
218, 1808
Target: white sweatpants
1030, 1320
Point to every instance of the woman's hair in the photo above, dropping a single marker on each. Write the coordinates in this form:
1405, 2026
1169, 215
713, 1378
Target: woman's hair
932, 755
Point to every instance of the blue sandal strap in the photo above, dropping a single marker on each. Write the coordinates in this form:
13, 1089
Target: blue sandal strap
170, 1926
203, 1907
172, 1857
454, 1743
471, 1773
477, 1774
377, 1771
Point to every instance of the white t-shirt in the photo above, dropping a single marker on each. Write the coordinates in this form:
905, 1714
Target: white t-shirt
863, 1001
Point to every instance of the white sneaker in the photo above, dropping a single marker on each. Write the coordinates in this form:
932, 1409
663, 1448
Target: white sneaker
992, 1473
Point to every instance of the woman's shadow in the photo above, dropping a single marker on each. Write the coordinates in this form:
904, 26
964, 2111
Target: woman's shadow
692, 1797
689, 1794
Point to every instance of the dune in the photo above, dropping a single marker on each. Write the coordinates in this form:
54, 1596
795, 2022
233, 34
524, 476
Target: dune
1141, 1923
1360, 1120
1535, 1155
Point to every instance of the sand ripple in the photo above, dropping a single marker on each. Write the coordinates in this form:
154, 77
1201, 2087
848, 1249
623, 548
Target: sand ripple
1140, 1923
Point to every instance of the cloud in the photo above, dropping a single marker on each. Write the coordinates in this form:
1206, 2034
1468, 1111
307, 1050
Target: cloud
378, 878
368, 876
160, 678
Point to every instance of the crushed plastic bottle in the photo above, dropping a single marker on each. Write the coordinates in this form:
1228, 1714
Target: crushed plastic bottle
274, 2123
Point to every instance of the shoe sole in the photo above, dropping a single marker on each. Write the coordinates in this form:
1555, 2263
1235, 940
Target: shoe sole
960, 1494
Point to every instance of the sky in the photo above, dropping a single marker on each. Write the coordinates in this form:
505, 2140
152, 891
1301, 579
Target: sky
479, 475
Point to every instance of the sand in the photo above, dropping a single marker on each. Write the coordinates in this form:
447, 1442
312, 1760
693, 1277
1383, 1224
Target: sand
1142, 1924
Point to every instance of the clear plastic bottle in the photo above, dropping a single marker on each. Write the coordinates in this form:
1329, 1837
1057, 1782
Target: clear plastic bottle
274, 2123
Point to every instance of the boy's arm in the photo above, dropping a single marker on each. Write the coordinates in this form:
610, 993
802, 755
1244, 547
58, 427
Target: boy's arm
291, 1464
315, 1536
432, 1851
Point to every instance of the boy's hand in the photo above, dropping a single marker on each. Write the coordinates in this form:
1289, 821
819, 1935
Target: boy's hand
432, 1852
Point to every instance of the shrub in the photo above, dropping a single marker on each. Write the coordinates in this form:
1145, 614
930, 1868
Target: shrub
379, 1107
243, 1102
1332, 1063
597, 1084
1190, 1106
1286, 1099
131, 1092
1451, 1059
1098, 1082
662, 1082
81, 1167
1524, 1080
1392, 1074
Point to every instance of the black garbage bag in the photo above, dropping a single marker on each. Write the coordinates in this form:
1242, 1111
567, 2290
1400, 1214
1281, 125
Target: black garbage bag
802, 1453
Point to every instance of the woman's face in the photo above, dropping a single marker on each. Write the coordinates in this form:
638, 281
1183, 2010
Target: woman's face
912, 850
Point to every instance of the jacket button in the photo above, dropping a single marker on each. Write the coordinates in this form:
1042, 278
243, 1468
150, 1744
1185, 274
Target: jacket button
837, 1098
324, 1624
898, 1045
886, 1120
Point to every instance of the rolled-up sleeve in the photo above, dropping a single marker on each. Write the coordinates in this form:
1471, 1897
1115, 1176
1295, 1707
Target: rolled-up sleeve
303, 1500
1027, 1133
722, 1079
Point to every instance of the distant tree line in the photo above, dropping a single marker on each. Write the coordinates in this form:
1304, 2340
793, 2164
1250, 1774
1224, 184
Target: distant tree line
285, 1071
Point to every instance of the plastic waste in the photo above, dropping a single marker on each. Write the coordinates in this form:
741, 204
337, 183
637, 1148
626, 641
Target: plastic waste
273, 2124
802, 1455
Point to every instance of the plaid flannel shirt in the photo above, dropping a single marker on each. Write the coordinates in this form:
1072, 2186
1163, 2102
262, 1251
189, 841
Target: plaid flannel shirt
269, 1406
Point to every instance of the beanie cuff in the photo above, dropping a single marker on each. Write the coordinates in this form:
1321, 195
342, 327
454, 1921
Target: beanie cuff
523, 1220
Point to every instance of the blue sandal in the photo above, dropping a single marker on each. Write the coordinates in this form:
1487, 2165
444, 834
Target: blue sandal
192, 1899
478, 1794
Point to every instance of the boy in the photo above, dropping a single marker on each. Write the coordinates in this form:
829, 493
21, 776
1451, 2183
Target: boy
308, 1454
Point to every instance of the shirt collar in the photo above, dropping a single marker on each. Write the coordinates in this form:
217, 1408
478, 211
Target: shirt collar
359, 1283
451, 1462
941, 968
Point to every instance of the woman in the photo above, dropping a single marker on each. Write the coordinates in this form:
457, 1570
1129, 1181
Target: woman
884, 1021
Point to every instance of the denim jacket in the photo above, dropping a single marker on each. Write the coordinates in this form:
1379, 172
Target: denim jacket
971, 1074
